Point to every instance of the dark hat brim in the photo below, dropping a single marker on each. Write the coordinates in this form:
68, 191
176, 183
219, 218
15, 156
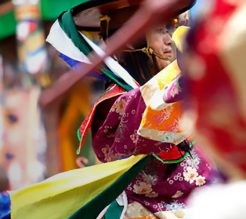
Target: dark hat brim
87, 15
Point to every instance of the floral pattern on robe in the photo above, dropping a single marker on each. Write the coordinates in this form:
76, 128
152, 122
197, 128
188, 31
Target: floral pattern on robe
159, 187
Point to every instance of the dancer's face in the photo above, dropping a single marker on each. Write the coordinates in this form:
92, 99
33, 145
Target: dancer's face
160, 40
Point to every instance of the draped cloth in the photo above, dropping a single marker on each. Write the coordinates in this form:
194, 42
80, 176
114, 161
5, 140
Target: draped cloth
119, 130
157, 180
80, 193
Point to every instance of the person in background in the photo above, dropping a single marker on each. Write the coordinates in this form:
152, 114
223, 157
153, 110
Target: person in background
127, 124
215, 74
162, 188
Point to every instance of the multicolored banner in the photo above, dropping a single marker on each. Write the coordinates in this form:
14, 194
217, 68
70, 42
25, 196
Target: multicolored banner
31, 41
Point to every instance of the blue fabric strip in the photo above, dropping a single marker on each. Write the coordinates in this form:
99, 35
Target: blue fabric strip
74, 63
71, 62
4, 205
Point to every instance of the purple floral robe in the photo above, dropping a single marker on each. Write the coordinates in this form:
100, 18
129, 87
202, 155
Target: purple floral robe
159, 187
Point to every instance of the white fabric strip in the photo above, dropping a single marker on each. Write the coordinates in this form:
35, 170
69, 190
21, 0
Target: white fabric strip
122, 201
113, 65
59, 40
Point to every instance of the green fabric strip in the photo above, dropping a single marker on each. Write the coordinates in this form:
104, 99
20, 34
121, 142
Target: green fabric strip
116, 79
114, 211
67, 24
93, 208
79, 135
